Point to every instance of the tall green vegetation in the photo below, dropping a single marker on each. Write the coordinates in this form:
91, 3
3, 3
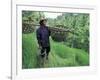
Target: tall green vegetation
32, 16
67, 49
59, 56
79, 24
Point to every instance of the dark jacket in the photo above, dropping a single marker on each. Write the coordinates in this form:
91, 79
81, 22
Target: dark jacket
43, 34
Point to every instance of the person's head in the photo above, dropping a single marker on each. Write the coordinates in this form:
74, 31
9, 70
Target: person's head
43, 22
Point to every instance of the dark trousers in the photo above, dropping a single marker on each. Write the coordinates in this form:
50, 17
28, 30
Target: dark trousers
45, 49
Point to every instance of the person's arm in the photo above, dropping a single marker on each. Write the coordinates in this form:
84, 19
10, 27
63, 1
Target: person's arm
49, 31
38, 37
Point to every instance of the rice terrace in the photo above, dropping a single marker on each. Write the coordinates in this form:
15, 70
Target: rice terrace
69, 39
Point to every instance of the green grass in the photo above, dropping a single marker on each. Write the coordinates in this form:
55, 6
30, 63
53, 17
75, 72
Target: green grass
60, 55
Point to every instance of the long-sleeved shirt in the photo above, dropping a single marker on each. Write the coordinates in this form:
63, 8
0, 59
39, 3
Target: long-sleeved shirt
43, 34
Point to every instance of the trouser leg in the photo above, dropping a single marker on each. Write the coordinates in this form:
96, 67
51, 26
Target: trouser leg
42, 52
47, 50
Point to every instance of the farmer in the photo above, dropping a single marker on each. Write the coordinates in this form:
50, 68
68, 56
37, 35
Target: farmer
43, 34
